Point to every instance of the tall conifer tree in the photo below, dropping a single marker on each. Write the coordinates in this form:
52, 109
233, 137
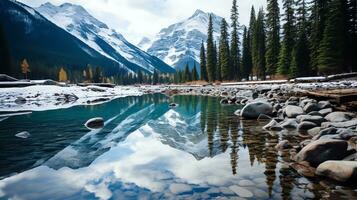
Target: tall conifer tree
211, 54
246, 55
285, 56
203, 63
224, 55
331, 50
259, 45
235, 52
273, 36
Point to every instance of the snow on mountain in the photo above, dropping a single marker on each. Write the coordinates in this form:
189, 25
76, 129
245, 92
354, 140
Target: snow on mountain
78, 22
181, 42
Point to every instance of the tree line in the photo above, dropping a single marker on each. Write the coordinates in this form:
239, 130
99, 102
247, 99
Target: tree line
317, 37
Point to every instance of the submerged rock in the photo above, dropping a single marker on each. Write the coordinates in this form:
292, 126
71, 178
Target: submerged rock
338, 170
95, 123
23, 135
273, 126
254, 109
240, 191
173, 105
320, 151
293, 111
283, 145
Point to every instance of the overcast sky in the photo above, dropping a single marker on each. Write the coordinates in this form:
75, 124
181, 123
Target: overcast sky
136, 19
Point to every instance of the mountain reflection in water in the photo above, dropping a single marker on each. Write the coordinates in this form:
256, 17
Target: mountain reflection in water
199, 150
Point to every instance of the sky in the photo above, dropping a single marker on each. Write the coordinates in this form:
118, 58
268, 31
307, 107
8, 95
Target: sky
136, 19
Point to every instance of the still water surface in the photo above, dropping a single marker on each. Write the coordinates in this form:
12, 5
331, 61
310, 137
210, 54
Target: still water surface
199, 150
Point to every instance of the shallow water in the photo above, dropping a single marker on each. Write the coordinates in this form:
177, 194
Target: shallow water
146, 150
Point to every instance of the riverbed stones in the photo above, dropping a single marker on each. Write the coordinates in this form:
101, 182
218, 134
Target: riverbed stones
293, 111
314, 131
20, 100
246, 183
289, 123
338, 170
324, 104
320, 151
325, 111
240, 191
309, 107
346, 124
254, 109
339, 116
95, 123
311, 118
273, 125
306, 125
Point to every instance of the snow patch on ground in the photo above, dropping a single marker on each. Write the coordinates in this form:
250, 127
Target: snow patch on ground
41, 97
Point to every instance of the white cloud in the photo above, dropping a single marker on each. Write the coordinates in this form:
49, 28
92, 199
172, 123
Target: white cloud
138, 18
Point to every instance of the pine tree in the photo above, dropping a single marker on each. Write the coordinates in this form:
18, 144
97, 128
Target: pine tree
203, 63
285, 56
331, 50
211, 56
246, 57
273, 36
318, 19
235, 52
155, 79
194, 73
253, 47
25, 68
187, 73
224, 55
259, 44
301, 58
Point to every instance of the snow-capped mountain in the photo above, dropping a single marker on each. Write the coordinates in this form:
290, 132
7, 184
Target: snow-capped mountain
30, 35
96, 34
181, 42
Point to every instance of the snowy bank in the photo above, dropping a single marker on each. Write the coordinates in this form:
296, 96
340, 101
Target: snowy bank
42, 97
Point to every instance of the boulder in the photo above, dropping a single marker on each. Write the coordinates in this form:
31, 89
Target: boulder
346, 124
293, 111
324, 104
314, 131
306, 125
338, 170
339, 116
95, 123
325, 111
320, 151
309, 107
310, 118
289, 124
254, 109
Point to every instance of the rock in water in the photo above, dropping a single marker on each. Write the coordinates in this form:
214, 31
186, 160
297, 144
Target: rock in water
20, 100
173, 105
304, 126
320, 151
240, 191
254, 109
293, 111
282, 145
273, 126
23, 135
338, 170
95, 123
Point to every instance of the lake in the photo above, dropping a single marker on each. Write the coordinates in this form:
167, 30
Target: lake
147, 150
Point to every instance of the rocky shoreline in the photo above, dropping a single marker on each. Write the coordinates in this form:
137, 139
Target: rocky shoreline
329, 135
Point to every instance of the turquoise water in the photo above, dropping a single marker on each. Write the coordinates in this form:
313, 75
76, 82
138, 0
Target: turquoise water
198, 150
